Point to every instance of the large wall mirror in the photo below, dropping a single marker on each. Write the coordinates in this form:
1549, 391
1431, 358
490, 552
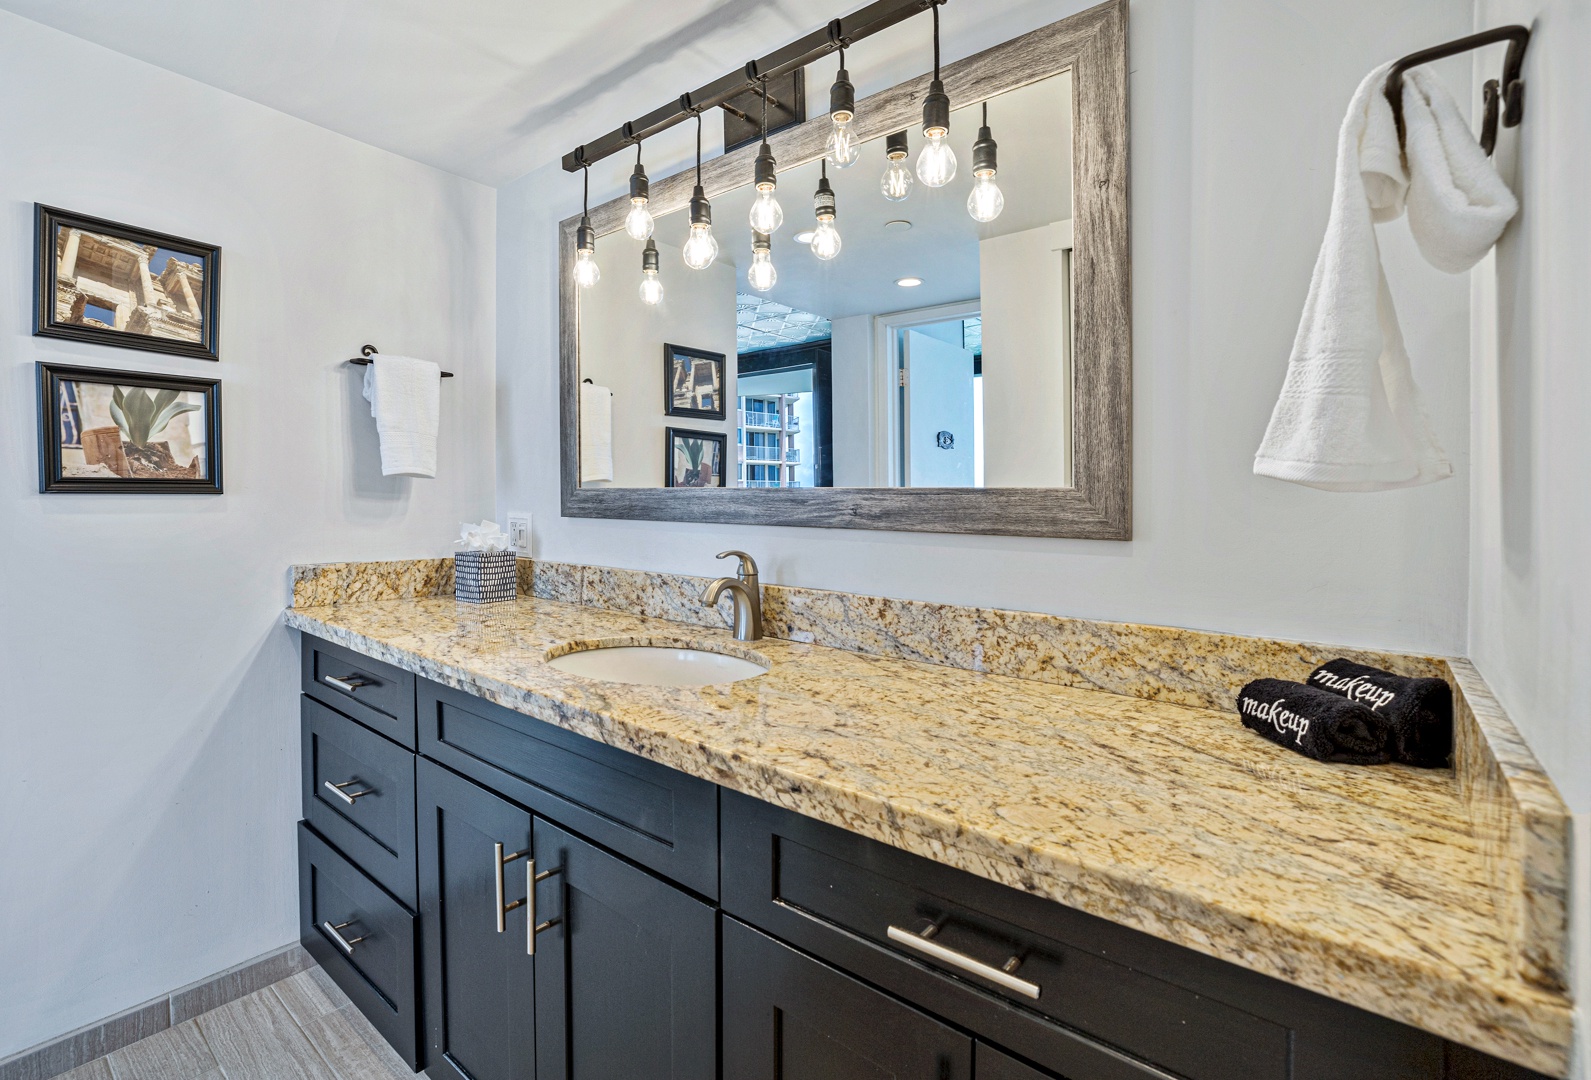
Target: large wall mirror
945, 372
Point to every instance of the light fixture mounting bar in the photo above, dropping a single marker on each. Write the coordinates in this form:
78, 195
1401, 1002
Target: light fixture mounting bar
875, 17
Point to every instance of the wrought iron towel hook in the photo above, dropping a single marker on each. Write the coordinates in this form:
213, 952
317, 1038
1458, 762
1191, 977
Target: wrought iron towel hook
363, 359
1509, 93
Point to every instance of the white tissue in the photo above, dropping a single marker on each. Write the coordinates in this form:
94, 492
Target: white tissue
483, 537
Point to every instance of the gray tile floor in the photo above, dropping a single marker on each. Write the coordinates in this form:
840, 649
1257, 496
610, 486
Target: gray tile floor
302, 1027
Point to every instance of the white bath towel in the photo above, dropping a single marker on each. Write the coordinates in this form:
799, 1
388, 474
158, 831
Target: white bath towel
1350, 417
405, 397
596, 432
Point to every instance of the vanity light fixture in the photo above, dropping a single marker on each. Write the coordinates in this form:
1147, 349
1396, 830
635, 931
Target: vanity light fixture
897, 181
986, 201
638, 222
761, 275
936, 165
909, 282
766, 213
825, 238
651, 287
701, 249
587, 272
842, 148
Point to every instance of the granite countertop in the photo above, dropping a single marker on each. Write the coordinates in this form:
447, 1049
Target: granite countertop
1371, 886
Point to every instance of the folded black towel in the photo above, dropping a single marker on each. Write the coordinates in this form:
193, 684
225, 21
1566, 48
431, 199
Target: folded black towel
1315, 723
1419, 712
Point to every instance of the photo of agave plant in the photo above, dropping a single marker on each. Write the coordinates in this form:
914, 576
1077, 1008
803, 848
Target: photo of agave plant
124, 431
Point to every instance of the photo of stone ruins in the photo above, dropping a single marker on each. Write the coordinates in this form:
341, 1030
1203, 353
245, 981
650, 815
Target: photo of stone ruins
135, 288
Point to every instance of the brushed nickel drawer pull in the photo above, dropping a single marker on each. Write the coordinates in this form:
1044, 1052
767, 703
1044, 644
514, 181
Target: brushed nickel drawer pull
348, 684
532, 927
499, 861
924, 944
346, 796
345, 944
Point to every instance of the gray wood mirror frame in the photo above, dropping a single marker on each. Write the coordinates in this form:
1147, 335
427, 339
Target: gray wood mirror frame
1092, 47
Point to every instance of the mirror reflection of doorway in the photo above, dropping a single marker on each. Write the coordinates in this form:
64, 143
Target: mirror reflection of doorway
941, 414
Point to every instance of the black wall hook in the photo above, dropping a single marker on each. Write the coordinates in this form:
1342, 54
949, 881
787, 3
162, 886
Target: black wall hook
1509, 93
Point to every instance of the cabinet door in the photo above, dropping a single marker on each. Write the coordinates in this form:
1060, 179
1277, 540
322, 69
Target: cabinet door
789, 1017
626, 974
479, 975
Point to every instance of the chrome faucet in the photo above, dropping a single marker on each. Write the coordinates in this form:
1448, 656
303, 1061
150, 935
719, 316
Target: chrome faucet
746, 592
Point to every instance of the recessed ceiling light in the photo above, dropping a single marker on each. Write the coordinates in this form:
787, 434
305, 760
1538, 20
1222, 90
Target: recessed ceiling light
804, 237
898, 225
909, 282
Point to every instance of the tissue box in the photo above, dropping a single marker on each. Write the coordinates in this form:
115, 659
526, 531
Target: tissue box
485, 577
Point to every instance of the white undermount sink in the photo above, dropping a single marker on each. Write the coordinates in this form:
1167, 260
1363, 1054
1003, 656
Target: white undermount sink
656, 665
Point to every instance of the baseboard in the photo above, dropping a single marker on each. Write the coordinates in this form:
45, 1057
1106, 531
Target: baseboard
75, 1048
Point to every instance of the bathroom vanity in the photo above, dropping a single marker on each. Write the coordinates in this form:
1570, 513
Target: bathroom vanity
860, 866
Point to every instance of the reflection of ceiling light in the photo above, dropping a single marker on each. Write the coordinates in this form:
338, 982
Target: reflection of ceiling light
804, 237
909, 282
898, 225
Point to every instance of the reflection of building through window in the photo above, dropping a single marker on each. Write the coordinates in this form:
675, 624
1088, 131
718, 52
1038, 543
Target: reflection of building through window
116, 284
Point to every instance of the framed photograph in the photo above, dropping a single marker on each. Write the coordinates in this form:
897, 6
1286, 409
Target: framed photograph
127, 431
695, 459
112, 284
693, 383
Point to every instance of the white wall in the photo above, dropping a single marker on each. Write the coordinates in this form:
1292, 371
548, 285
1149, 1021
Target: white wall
149, 732
851, 383
1235, 108
1530, 581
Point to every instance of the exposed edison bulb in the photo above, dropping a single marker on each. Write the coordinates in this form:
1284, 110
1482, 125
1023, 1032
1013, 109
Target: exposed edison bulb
826, 241
651, 288
638, 222
986, 200
936, 165
766, 213
842, 148
587, 272
761, 275
701, 249
897, 181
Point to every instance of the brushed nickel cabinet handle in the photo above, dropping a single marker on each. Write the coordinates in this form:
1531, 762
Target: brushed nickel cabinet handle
924, 944
345, 944
532, 927
349, 684
346, 796
499, 860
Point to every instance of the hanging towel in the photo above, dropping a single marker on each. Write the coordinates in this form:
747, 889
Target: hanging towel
405, 396
1350, 417
596, 432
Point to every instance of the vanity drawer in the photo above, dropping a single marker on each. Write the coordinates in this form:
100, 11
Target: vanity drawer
363, 938
649, 813
359, 794
378, 695
1096, 1016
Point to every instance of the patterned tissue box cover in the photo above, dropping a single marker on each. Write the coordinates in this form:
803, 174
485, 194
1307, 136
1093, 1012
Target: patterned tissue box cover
484, 577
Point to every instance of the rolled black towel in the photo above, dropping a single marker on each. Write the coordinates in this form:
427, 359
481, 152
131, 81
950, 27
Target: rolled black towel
1317, 724
1419, 712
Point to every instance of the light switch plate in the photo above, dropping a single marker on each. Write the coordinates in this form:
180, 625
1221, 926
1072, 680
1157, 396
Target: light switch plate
519, 532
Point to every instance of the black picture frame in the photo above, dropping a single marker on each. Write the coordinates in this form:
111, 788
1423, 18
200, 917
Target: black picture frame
673, 356
674, 435
49, 220
52, 423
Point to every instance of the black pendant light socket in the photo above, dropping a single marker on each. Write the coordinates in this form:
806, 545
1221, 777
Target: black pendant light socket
766, 170
761, 241
842, 97
701, 209
936, 108
983, 152
823, 200
585, 236
649, 257
640, 186
896, 145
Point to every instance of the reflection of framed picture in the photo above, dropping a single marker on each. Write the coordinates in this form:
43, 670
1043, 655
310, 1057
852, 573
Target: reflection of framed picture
125, 431
112, 284
695, 459
693, 383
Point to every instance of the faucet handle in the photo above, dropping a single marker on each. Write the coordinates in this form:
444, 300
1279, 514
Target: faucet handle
748, 565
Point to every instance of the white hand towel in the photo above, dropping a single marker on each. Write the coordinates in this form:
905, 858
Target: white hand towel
1350, 417
405, 397
596, 432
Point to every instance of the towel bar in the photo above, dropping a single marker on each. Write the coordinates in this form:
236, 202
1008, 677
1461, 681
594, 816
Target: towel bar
1510, 92
370, 350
